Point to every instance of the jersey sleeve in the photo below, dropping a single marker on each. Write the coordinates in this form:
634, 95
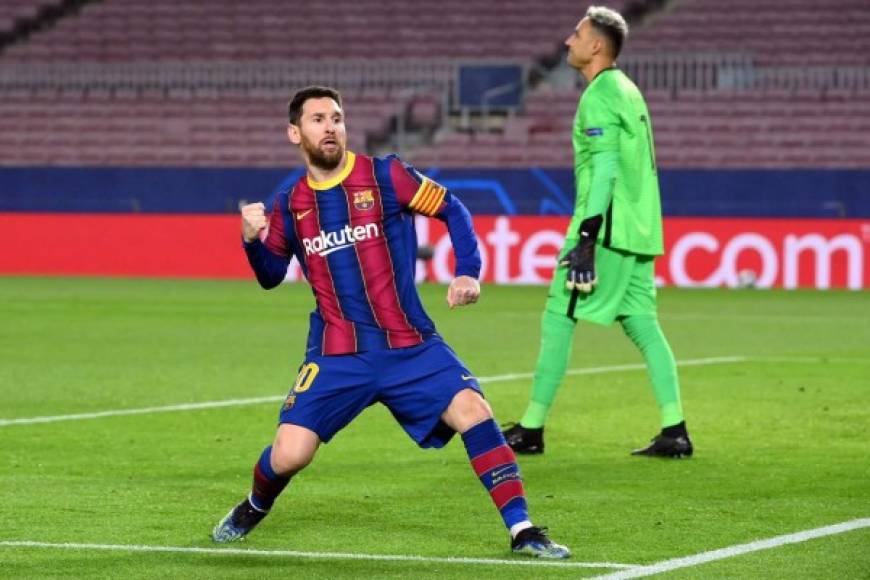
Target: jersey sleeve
276, 238
270, 256
416, 191
599, 124
424, 196
604, 170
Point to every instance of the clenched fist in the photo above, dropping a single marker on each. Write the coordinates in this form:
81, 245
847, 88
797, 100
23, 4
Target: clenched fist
463, 290
253, 221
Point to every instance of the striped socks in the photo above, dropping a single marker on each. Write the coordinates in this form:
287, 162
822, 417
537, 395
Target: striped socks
268, 485
496, 466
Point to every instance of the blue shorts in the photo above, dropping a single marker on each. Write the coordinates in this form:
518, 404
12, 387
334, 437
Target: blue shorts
416, 384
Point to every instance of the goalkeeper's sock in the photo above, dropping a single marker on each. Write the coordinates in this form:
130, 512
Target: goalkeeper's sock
557, 339
645, 332
496, 466
268, 485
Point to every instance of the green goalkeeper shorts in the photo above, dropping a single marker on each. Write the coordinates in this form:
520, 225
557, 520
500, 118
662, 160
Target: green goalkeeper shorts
626, 287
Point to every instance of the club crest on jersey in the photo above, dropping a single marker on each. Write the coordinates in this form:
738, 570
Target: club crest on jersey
328, 242
363, 200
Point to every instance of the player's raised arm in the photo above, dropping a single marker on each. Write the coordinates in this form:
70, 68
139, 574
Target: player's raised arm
253, 220
268, 259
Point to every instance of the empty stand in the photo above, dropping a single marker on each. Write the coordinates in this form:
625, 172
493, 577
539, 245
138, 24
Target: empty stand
781, 33
13, 12
716, 129
211, 128
182, 128
157, 30
752, 127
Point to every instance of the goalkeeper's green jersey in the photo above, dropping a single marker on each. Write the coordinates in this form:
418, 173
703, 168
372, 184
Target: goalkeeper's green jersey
612, 116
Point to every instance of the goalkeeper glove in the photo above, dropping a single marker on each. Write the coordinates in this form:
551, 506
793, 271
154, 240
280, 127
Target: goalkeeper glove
581, 260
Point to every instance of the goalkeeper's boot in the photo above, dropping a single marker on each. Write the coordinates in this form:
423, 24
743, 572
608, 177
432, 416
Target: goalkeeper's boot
523, 440
534, 542
242, 519
671, 442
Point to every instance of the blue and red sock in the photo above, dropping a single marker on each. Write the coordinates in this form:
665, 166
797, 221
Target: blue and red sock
496, 466
268, 485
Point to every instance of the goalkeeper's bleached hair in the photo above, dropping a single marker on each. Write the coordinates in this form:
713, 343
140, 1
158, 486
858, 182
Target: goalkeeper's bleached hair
611, 24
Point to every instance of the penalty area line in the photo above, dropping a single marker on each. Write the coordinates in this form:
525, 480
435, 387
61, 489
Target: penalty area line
276, 398
737, 550
312, 555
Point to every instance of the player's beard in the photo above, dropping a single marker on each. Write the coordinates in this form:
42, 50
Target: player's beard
321, 159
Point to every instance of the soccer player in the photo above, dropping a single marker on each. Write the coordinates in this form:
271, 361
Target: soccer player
350, 223
605, 273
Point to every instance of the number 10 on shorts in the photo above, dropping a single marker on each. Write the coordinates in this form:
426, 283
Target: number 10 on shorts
306, 376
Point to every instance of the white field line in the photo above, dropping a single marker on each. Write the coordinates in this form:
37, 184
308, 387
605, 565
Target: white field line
314, 555
141, 411
732, 551
716, 360
274, 398
811, 360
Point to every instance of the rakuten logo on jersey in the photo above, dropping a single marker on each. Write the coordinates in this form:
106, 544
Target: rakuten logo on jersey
329, 242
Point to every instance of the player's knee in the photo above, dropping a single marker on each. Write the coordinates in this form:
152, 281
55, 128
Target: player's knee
288, 460
293, 449
467, 410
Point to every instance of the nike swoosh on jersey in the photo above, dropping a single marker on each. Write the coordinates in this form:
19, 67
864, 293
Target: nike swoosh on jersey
302, 214
467, 377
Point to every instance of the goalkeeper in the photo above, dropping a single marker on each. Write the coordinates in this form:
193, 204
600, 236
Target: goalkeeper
605, 271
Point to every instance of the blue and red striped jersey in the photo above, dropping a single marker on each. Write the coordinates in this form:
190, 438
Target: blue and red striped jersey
354, 237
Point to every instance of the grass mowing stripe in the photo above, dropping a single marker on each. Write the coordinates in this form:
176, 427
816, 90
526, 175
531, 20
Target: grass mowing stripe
739, 549
317, 555
274, 398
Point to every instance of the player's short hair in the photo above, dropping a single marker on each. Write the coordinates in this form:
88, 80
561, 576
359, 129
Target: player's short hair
294, 109
611, 24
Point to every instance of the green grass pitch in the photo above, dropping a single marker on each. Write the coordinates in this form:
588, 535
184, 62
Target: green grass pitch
782, 438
